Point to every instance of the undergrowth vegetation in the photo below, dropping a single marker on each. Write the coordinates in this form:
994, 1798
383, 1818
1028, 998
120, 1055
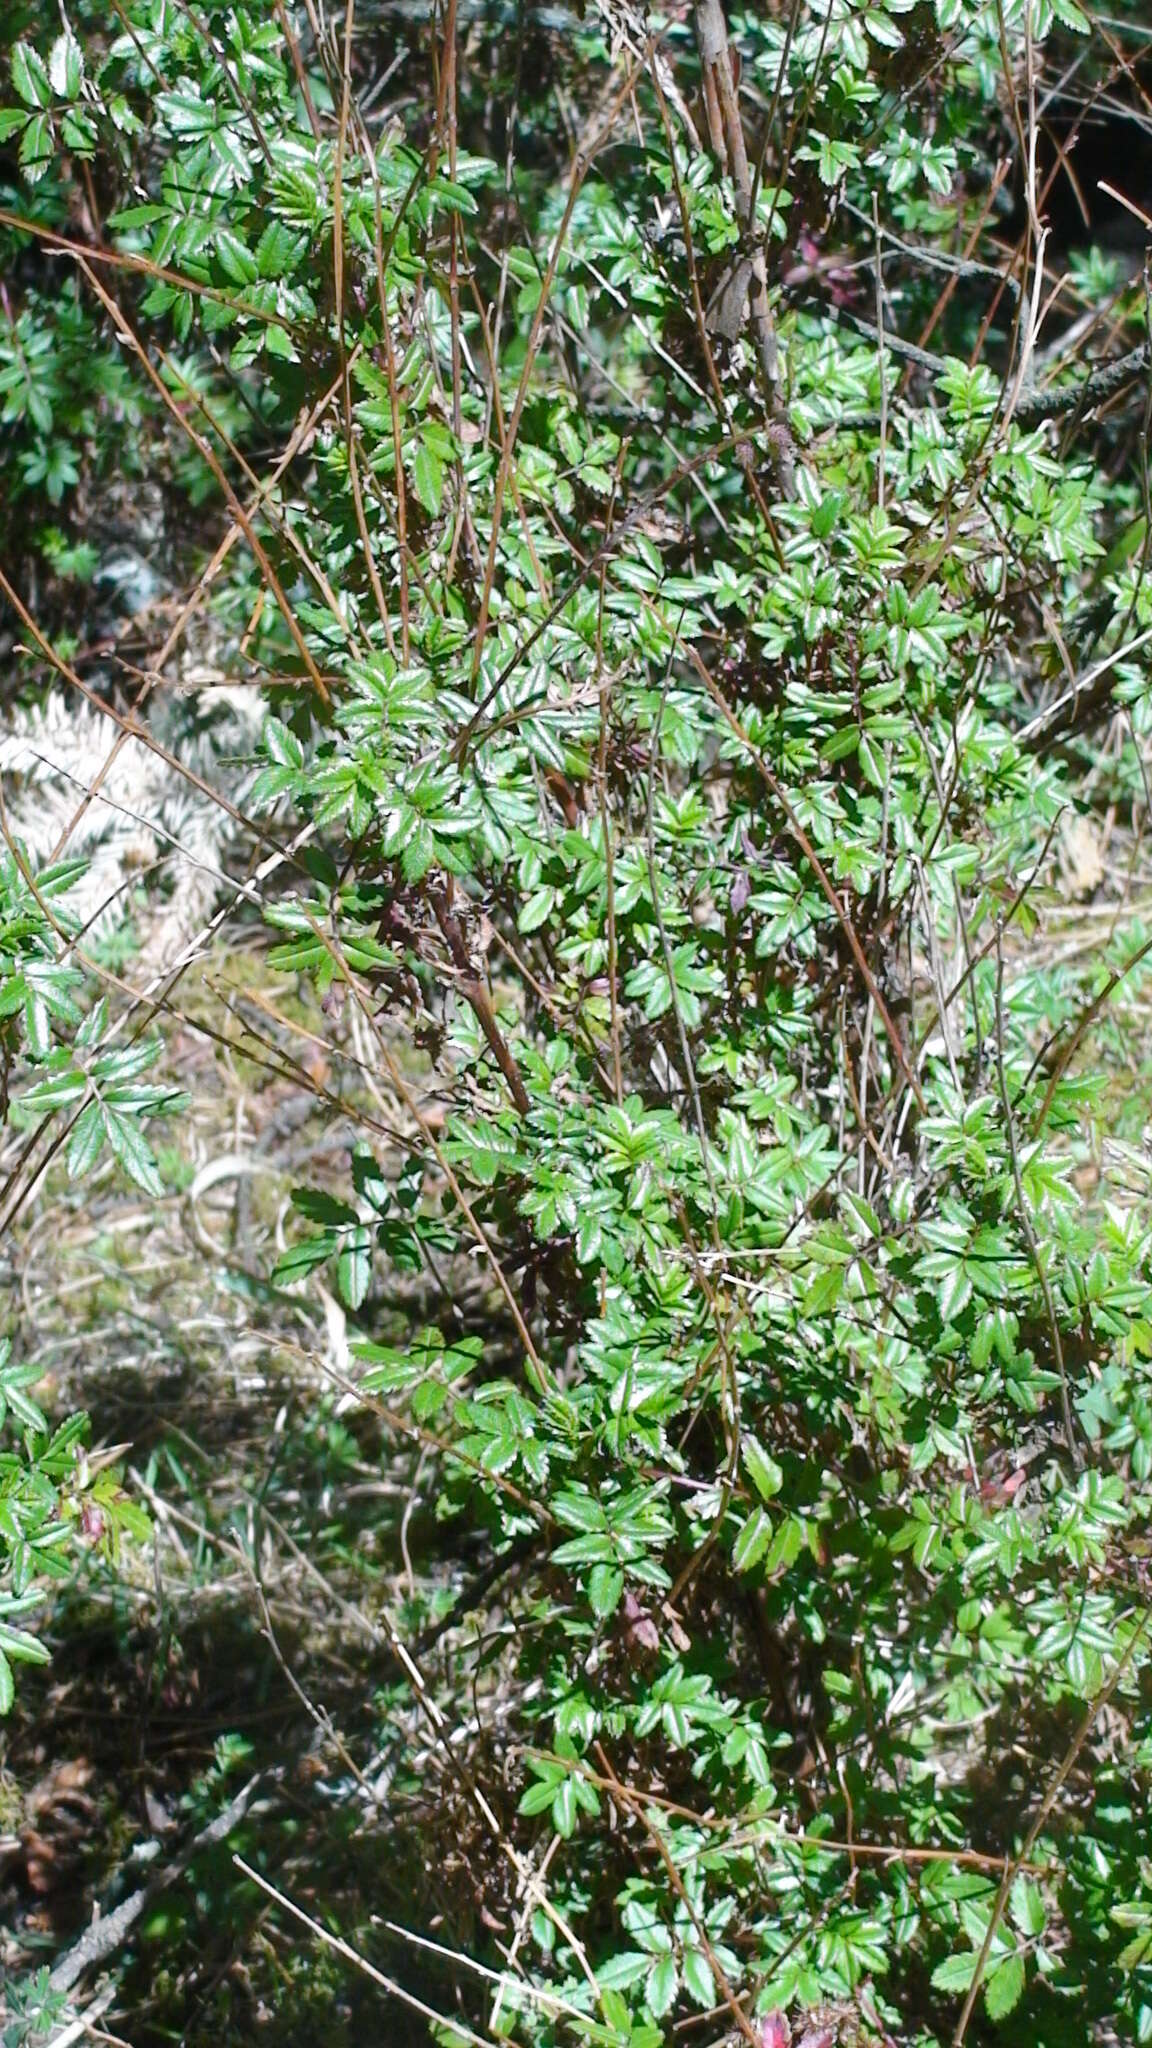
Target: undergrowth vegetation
577, 1387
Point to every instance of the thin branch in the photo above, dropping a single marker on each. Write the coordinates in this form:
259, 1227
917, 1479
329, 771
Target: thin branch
109, 1932
359, 1962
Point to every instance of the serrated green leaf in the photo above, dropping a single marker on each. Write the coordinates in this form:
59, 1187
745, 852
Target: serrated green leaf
131, 1148
955, 1973
428, 478
236, 260
22, 1647
87, 1140
1004, 1987
698, 1978
605, 1589
37, 147
30, 76
763, 1471
661, 1986
752, 1540
66, 67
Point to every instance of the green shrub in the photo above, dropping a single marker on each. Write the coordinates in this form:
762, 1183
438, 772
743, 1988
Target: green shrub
679, 681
